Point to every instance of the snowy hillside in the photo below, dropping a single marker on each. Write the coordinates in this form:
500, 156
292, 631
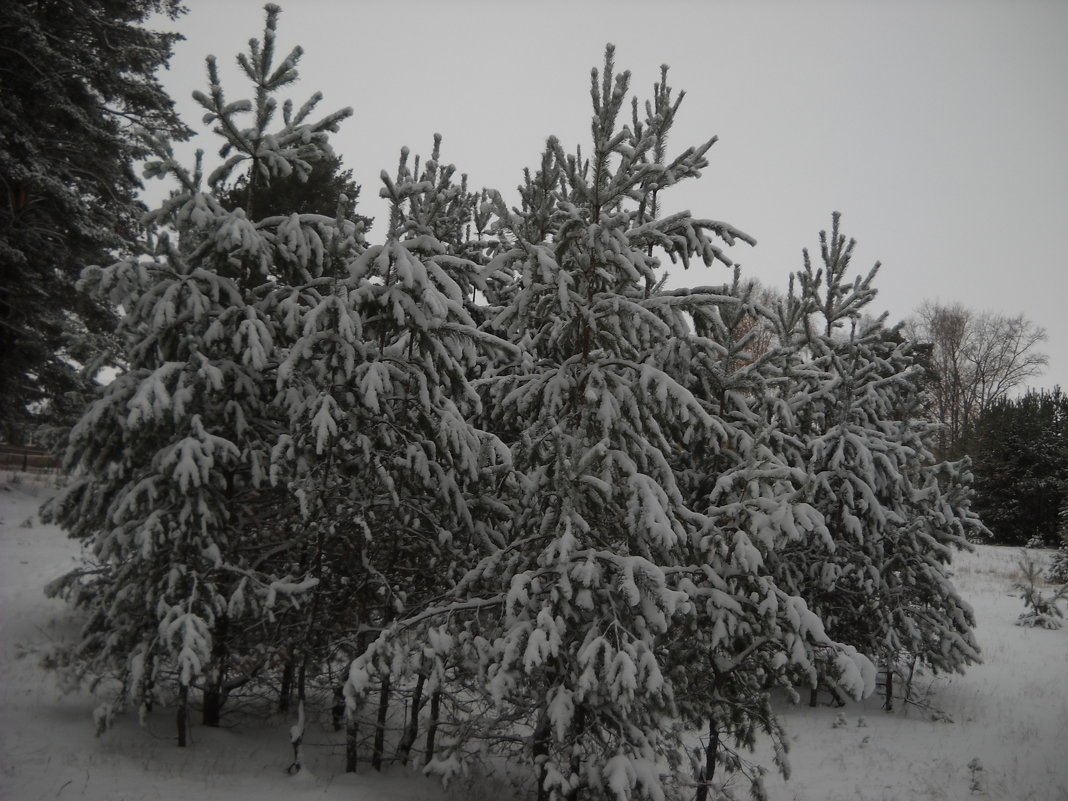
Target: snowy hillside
1009, 714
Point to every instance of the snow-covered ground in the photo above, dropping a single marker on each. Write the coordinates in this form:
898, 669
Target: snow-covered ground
1010, 714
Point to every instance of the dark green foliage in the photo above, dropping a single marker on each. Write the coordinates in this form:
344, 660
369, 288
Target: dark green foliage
1019, 449
75, 78
318, 193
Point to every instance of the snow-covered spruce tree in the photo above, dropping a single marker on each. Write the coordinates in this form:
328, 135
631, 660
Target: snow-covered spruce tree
169, 488
894, 514
570, 625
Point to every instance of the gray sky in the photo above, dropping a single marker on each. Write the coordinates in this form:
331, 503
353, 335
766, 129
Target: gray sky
939, 129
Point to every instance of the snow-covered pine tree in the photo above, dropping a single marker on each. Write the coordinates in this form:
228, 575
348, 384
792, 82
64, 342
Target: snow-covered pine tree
894, 514
169, 467
569, 625
729, 656
380, 450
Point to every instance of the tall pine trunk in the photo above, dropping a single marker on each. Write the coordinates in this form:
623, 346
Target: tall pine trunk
351, 732
412, 731
540, 752
213, 703
578, 729
337, 711
182, 716
709, 770
432, 724
285, 692
380, 726
888, 703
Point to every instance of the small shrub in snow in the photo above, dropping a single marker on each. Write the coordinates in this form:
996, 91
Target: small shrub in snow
1042, 611
976, 783
1057, 573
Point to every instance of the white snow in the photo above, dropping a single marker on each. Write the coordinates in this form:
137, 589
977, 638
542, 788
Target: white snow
1008, 715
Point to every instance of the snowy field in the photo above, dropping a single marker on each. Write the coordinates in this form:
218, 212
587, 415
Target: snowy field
1008, 717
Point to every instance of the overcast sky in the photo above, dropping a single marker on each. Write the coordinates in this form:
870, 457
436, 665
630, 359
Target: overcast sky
938, 129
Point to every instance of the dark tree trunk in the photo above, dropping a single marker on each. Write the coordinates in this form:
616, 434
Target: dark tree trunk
380, 726
540, 751
814, 696
337, 711
351, 730
578, 730
213, 703
432, 724
907, 695
301, 677
215, 692
888, 703
285, 692
711, 750
182, 716
405, 747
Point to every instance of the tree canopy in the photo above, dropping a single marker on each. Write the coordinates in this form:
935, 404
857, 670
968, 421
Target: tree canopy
77, 78
490, 470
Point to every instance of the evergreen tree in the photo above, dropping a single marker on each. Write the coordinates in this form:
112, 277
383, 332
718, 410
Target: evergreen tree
170, 466
567, 625
76, 78
318, 192
893, 514
1019, 448
381, 450
745, 475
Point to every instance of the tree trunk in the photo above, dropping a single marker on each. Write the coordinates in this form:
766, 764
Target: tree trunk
301, 677
540, 751
337, 711
814, 696
578, 729
285, 692
296, 739
350, 740
432, 724
380, 726
888, 703
908, 682
405, 747
213, 702
705, 776
215, 692
182, 716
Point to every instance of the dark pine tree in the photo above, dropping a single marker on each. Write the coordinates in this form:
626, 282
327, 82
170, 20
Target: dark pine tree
75, 78
1019, 449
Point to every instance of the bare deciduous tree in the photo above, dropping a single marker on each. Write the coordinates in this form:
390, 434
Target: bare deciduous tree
976, 358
